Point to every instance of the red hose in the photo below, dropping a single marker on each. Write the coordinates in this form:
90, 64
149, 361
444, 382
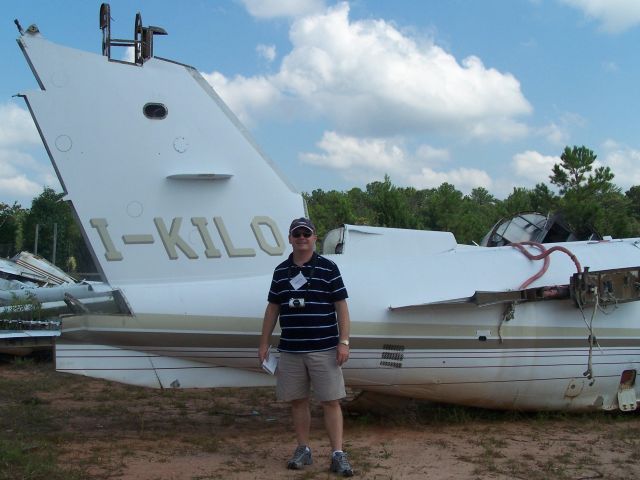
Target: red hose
543, 256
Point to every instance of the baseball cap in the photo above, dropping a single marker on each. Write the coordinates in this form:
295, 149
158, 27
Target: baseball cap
302, 223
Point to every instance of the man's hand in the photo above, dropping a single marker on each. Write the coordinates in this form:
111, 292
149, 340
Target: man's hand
268, 324
263, 352
342, 353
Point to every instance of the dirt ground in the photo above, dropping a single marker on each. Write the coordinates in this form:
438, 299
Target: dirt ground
85, 428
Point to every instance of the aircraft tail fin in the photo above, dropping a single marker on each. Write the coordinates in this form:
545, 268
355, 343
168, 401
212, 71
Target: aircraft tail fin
165, 181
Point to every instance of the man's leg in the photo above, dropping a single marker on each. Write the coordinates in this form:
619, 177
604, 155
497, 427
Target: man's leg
333, 423
301, 419
302, 423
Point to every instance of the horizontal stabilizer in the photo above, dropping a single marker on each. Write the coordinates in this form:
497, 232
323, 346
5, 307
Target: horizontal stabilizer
149, 370
482, 299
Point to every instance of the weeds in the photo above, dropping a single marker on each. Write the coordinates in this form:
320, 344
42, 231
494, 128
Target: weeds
58, 426
20, 310
32, 459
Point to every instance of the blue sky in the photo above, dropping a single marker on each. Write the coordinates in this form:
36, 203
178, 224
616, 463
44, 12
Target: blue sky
477, 93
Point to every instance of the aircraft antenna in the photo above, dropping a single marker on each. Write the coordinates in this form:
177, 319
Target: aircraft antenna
105, 26
142, 42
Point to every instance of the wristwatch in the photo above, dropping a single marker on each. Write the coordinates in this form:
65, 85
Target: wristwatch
344, 342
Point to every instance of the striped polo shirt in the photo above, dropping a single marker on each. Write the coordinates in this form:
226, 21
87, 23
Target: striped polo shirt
314, 327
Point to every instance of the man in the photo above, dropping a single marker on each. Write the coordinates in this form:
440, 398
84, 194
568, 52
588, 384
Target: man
309, 297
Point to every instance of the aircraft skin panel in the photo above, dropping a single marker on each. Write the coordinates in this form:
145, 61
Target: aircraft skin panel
503, 270
115, 167
154, 371
533, 366
529, 378
533, 322
188, 218
460, 272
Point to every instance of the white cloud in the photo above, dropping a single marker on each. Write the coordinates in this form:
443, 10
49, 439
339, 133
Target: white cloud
282, 8
558, 133
18, 186
464, 179
242, 94
368, 159
14, 161
533, 166
370, 79
22, 177
344, 152
129, 55
427, 153
17, 127
555, 134
615, 16
268, 52
624, 162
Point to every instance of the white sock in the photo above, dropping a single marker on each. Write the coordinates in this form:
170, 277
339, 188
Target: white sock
337, 451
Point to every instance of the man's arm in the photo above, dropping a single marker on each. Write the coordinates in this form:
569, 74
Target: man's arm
344, 325
268, 324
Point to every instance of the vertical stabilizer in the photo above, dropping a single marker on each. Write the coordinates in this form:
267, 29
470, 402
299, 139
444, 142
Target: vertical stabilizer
167, 184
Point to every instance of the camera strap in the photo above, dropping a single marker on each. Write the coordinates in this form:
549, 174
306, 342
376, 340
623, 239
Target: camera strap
313, 269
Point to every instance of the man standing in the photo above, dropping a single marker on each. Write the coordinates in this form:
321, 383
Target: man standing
309, 297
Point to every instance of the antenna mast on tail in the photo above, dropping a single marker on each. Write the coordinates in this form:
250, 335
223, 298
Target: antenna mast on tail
142, 36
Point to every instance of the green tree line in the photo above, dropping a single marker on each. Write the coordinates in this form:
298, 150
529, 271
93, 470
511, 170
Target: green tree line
587, 197
51, 215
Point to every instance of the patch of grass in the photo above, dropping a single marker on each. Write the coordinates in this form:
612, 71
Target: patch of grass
383, 452
58, 426
205, 444
552, 468
32, 459
25, 308
441, 443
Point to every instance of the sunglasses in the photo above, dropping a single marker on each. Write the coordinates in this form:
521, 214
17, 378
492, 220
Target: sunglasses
301, 234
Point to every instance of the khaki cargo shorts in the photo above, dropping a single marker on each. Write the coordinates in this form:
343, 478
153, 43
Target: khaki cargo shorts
299, 373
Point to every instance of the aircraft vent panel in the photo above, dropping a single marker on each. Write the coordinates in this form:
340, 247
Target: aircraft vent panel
392, 356
606, 287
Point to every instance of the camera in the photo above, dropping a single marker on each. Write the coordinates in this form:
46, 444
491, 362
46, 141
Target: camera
296, 303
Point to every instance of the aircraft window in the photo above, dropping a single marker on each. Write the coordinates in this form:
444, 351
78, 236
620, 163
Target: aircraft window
155, 111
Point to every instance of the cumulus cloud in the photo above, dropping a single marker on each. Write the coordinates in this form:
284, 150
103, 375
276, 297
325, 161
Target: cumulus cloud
464, 179
555, 134
367, 159
558, 132
623, 162
17, 127
22, 177
615, 16
18, 186
268, 52
370, 79
282, 8
533, 166
343, 152
427, 153
129, 55
245, 95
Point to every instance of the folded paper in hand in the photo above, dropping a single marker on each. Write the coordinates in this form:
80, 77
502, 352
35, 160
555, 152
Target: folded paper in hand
271, 363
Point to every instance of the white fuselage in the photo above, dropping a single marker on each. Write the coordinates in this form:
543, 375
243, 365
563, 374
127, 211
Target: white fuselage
187, 218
